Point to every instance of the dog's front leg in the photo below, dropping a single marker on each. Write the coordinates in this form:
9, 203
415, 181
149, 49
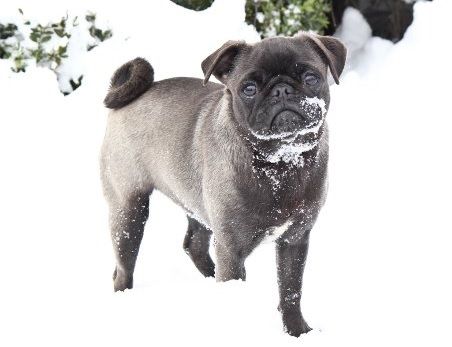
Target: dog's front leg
232, 248
291, 258
230, 263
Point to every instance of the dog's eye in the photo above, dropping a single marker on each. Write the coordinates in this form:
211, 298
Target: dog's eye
250, 90
310, 79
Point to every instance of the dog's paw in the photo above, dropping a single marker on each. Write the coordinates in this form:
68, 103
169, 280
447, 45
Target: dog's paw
298, 329
294, 324
121, 281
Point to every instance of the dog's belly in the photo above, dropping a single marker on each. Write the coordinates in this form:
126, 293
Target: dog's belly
190, 200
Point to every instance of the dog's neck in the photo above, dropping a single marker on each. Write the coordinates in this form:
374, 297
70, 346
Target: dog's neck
297, 162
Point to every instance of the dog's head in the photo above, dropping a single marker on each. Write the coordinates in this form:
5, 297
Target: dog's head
279, 86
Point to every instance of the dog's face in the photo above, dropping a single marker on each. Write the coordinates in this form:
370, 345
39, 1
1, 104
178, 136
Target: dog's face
279, 86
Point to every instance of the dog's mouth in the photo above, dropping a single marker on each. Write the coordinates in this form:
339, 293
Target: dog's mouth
300, 122
288, 126
286, 122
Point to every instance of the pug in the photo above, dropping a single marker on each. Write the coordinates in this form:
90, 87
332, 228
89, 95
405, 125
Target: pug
246, 159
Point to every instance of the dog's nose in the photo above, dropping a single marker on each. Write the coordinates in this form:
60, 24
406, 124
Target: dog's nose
282, 89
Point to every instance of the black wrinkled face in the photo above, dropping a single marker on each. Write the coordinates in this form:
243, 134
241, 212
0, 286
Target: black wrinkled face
280, 91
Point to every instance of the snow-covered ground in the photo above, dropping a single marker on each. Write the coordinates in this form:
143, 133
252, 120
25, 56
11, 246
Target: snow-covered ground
378, 271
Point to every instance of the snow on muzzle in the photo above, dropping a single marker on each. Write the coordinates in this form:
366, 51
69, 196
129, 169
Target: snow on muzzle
290, 123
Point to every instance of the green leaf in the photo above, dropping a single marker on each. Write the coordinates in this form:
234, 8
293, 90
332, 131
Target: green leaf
46, 39
59, 32
62, 50
91, 17
34, 37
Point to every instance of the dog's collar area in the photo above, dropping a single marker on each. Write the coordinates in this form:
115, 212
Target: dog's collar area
284, 158
286, 153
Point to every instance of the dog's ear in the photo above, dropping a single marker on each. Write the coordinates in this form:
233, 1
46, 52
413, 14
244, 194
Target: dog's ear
221, 62
334, 52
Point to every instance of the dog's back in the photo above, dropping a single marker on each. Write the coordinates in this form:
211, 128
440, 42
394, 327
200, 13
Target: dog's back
150, 133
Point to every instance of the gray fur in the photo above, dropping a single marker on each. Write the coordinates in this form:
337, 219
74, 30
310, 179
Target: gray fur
130, 81
202, 147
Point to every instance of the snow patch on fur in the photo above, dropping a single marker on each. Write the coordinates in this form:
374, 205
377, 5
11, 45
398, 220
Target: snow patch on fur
275, 233
310, 106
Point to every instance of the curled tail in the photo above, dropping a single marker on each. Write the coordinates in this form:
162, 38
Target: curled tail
128, 82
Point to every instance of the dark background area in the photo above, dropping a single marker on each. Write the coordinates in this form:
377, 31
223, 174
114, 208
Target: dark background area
388, 19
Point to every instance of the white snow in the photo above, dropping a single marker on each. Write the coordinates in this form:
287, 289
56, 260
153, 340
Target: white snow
275, 233
354, 32
291, 153
378, 270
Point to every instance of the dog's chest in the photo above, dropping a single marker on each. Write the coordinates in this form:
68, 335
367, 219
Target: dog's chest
283, 201
283, 193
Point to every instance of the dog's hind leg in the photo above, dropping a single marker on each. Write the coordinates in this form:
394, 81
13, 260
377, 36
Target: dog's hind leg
127, 221
196, 245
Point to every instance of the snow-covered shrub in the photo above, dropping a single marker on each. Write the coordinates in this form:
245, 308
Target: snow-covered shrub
98, 34
287, 17
197, 5
46, 45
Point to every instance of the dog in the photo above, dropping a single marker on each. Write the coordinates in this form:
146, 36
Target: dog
246, 159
